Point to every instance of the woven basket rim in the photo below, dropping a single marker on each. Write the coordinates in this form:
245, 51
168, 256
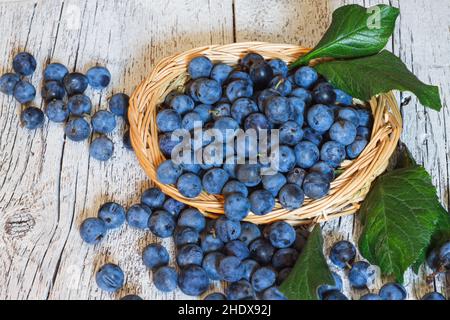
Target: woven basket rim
347, 191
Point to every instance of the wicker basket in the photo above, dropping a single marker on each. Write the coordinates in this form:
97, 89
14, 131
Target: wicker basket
347, 191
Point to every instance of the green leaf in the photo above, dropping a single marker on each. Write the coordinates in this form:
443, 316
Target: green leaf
440, 236
354, 32
310, 272
366, 77
399, 216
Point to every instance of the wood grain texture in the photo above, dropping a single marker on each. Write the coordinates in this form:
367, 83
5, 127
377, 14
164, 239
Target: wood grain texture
48, 184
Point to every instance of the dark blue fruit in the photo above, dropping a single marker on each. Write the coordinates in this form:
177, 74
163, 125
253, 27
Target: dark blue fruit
138, 216
112, 214
240, 290
343, 254
238, 249
306, 77
231, 269
101, 148
110, 278
57, 111
236, 206
24, 64
193, 280
189, 254
165, 279
7, 83
77, 129
262, 251
98, 77
153, 198
79, 104
211, 265
118, 104
316, 186
291, 197
200, 67
261, 74
263, 278
104, 122
55, 72
75, 83
32, 118
361, 275
262, 202
24, 92
53, 90
393, 291
162, 224
155, 256
92, 230
227, 230
192, 218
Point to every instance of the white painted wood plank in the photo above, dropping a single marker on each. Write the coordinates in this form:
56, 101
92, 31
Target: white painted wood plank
49, 185
54, 181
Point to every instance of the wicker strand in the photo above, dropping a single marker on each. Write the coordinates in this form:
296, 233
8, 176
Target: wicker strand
347, 191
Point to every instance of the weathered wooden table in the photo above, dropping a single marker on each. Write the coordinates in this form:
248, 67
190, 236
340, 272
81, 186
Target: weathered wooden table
48, 184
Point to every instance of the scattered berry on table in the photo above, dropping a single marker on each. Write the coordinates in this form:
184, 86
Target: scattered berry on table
263, 278
101, 148
57, 111
103, 122
110, 278
153, 198
92, 230
53, 90
24, 64
77, 129
75, 83
215, 296
183, 236
155, 256
24, 92
98, 77
337, 286
392, 291
343, 254
433, 296
361, 275
79, 104
112, 214
8, 82
55, 72
192, 218
190, 254
211, 264
193, 280
165, 279
118, 104
32, 118
231, 269
162, 224
138, 216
